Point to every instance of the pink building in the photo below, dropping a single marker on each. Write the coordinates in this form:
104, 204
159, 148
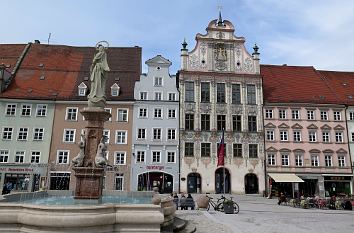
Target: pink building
306, 141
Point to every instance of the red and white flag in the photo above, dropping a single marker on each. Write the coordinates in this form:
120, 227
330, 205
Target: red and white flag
221, 151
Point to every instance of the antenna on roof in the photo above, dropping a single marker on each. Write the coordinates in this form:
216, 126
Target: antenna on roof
49, 37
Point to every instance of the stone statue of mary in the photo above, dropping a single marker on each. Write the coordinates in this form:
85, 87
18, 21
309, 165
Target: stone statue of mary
97, 96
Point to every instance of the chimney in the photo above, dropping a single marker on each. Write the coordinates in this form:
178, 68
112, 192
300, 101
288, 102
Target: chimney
37, 42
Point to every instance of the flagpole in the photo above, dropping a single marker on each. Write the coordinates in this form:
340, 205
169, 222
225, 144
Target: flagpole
224, 158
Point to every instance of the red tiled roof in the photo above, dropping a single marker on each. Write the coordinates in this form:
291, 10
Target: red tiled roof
341, 83
10, 53
295, 84
65, 67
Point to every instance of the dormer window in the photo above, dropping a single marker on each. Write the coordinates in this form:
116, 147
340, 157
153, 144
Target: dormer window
82, 89
158, 82
115, 90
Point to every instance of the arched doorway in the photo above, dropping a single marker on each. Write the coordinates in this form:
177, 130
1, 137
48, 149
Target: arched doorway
251, 183
148, 180
222, 180
194, 182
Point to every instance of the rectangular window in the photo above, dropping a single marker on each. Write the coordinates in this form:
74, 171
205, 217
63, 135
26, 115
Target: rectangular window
121, 137
312, 136
140, 156
299, 160
107, 135
62, 157
172, 113
270, 135
35, 157
158, 81
11, 110
221, 122
295, 114
4, 156
119, 182
158, 96
310, 115
41, 110
236, 93
351, 116
328, 160
253, 151
157, 134
325, 137
122, 115
171, 157
236, 123
69, 135
188, 149
205, 122
314, 161
26, 110
252, 123
297, 136
189, 122
339, 136
141, 133
156, 157
282, 114
71, 114
143, 95
269, 113
22, 134
171, 134
158, 113
142, 112
205, 150
205, 92
324, 116
341, 161
110, 112
237, 150
189, 91
251, 94
220, 92
283, 135
352, 136
285, 160
19, 157
337, 116
171, 96
271, 159
119, 158
7, 133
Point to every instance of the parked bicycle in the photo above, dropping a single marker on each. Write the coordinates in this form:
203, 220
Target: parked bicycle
219, 204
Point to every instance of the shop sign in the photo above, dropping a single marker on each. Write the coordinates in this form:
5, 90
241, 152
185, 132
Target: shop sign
10, 169
338, 178
155, 167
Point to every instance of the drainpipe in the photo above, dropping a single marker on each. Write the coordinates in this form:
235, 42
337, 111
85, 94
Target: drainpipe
350, 154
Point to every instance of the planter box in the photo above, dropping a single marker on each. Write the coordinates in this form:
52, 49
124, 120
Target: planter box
229, 209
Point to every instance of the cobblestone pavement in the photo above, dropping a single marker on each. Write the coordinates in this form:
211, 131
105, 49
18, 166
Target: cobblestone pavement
258, 214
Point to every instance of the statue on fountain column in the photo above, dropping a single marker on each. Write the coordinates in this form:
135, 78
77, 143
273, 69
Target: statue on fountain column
97, 97
79, 159
100, 159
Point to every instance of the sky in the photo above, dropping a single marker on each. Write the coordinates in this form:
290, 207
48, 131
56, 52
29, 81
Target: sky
315, 33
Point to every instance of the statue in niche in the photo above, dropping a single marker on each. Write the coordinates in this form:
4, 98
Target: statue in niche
100, 159
79, 159
99, 67
220, 56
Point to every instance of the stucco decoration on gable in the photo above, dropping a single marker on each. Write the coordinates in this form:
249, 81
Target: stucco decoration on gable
312, 126
283, 126
328, 151
296, 126
298, 151
315, 151
326, 127
285, 150
341, 151
338, 127
270, 126
271, 149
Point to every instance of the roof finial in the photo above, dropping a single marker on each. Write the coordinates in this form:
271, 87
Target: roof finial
184, 44
220, 22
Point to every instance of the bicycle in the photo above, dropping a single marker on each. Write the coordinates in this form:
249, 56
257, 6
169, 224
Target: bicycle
216, 205
219, 205
235, 205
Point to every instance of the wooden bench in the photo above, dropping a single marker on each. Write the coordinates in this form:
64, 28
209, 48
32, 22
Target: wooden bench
184, 204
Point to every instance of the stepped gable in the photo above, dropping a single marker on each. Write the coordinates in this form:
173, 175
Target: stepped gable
295, 84
53, 72
341, 83
10, 53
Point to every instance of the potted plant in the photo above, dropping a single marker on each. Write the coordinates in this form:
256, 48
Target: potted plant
228, 207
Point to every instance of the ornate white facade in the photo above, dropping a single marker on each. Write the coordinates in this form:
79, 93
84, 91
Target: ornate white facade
221, 88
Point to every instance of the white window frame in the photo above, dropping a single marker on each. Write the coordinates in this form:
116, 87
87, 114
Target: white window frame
159, 156
282, 114
143, 110
299, 160
158, 95
107, 133
116, 153
160, 113
159, 131
34, 154
324, 115
341, 161
326, 136
158, 81
20, 154
67, 156
140, 158
38, 136
65, 134
283, 135
123, 135
168, 134
315, 160
312, 136
119, 176
285, 161
297, 136
26, 110
328, 160
311, 115
351, 116
143, 95
173, 95
271, 159
12, 108
339, 137
4, 154
295, 114
67, 113
23, 133
269, 113
41, 110
270, 135
122, 113
110, 111
171, 113
168, 156
9, 133
143, 130
337, 116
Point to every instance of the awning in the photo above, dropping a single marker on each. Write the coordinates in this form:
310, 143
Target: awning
285, 177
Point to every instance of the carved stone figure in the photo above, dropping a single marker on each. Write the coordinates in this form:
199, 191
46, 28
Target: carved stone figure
79, 159
100, 159
97, 97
